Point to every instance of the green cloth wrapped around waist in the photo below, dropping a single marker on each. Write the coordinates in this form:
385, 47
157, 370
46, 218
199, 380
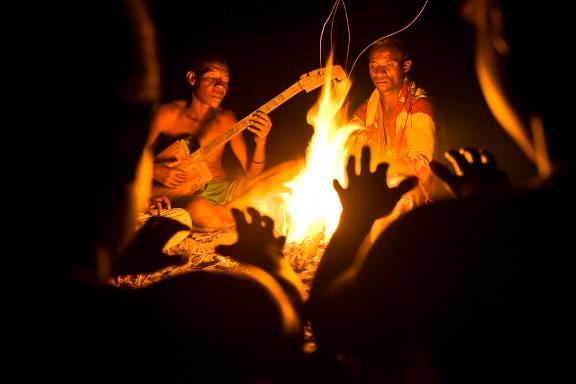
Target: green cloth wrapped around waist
219, 191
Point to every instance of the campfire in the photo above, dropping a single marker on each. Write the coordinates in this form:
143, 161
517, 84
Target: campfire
306, 212
310, 206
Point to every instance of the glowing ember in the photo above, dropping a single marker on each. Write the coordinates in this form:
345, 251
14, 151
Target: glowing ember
312, 205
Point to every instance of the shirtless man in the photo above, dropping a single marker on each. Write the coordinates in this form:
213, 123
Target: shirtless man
202, 118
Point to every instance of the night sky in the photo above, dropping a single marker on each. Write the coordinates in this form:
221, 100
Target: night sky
269, 47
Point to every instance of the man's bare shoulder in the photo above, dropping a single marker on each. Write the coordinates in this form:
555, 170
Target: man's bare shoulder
171, 107
166, 118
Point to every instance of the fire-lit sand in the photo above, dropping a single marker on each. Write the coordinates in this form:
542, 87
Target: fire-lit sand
199, 247
310, 208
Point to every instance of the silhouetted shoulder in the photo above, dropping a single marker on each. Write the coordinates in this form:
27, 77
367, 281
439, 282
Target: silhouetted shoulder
485, 244
221, 312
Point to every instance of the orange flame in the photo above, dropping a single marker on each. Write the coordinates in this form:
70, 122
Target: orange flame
312, 204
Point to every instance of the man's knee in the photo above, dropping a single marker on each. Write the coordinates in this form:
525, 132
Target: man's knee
206, 214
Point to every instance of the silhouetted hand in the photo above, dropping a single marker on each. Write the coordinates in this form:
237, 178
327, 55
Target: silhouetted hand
367, 196
475, 173
257, 244
145, 254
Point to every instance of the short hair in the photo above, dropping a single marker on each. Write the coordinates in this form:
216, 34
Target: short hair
391, 43
198, 66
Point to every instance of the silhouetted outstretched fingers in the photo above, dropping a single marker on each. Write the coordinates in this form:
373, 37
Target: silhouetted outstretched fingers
365, 160
476, 170
406, 185
442, 172
472, 155
458, 161
351, 167
488, 158
239, 217
268, 224
281, 242
367, 196
256, 242
382, 170
255, 215
338, 188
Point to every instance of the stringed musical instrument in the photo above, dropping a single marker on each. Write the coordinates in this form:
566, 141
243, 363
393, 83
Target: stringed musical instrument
179, 155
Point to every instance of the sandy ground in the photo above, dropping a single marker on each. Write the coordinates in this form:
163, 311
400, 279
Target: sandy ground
199, 249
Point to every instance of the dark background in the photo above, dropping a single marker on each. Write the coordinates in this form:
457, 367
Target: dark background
270, 45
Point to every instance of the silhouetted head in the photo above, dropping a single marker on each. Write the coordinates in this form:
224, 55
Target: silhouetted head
105, 61
520, 60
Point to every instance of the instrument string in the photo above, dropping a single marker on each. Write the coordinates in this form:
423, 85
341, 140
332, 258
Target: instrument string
390, 34
331, 18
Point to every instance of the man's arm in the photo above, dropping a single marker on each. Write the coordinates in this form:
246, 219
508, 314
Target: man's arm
366, 199
258, 245
260, 126
164, 116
